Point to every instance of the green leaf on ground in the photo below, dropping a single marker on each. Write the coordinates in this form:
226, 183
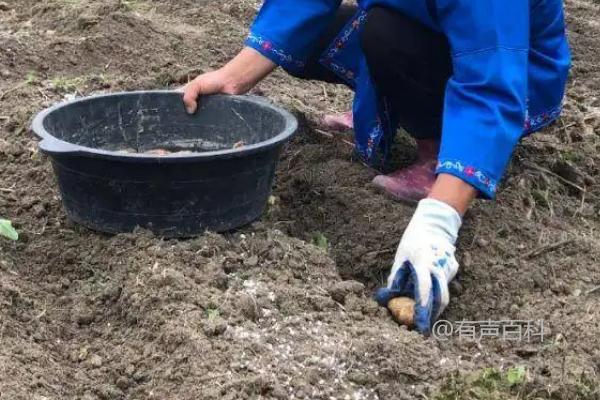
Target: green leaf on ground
7, 230
213, 313
516, 375
485, 384
321, 241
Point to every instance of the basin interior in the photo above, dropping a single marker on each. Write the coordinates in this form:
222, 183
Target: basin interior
142, 122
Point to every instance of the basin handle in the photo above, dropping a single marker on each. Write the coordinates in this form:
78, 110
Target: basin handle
50, 144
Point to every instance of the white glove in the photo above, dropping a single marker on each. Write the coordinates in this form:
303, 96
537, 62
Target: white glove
425, 262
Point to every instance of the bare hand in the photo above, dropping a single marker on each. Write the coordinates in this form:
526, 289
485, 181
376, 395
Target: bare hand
237, 77
209, 83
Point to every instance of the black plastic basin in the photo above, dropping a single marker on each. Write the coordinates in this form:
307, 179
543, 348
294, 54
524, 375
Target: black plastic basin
137, 159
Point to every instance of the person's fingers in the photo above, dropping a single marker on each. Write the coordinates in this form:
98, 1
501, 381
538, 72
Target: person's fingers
423, 314
399, 263
190, 95
402, 279
441, 294
423, 295
452, 268
421, 279
384, 295
396, 285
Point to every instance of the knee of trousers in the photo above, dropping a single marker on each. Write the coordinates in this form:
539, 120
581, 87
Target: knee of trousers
390, 39
381, 48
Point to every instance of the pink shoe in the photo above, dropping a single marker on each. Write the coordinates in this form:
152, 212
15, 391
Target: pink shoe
413, 183
336, 127
338, 122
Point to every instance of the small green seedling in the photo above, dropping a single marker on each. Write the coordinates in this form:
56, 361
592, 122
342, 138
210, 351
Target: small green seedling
7, 230
486, 384
127, 5
212, 313
321, 241
515, 376
63, 84
31, 78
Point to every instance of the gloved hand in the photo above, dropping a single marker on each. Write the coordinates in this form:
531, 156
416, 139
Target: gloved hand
425, 262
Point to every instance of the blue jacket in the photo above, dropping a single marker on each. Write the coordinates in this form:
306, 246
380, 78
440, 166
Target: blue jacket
510, 64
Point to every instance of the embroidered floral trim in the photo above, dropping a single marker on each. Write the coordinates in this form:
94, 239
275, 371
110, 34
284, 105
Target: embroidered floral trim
267, 47
347, 33
341, 71
374, 154
539, 121
342, 40
469, 172
374, 137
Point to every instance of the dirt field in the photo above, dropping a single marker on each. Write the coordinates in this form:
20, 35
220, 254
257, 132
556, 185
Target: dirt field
264, 313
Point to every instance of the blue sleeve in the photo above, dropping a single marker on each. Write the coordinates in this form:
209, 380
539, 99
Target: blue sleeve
285, 31
549, 60
486, 98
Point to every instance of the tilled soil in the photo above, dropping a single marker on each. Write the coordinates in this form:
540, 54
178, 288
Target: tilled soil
264, 312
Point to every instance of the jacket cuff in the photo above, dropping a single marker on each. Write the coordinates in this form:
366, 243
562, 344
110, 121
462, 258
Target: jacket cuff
274, 52
474, 176
536, 122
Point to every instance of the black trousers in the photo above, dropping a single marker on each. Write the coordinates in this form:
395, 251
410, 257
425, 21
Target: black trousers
410, 65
